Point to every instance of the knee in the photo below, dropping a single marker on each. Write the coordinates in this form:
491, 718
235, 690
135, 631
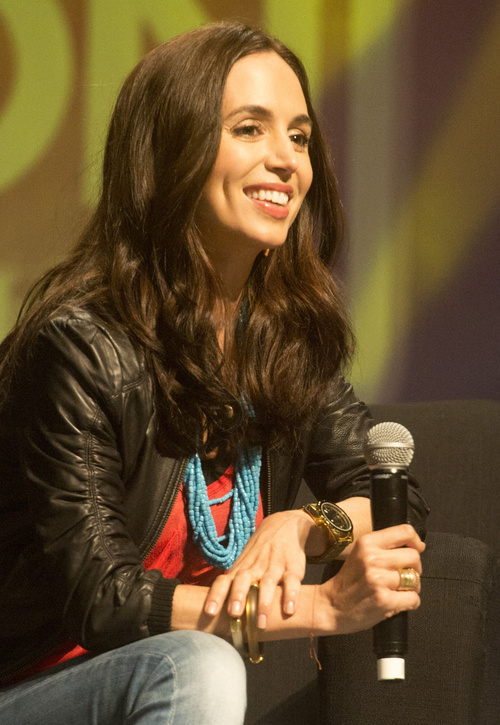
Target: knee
212, 661
212, 671
220, 680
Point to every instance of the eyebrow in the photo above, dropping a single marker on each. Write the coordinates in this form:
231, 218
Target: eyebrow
263, 112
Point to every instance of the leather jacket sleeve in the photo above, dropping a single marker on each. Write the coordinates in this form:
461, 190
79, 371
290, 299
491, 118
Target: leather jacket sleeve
336, 467
70, 411
83, 409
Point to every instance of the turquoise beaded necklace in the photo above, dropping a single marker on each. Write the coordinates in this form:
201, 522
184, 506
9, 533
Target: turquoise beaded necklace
222, 551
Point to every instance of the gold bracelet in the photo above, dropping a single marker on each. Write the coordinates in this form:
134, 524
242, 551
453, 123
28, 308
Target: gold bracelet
237, 636
254, 647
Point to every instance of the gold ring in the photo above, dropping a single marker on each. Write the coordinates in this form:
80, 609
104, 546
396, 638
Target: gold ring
408, 580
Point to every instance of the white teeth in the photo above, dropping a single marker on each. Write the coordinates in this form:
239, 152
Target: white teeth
276, 197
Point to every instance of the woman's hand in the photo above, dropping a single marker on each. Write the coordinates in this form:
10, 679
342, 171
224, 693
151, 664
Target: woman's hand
365, 591
273, 555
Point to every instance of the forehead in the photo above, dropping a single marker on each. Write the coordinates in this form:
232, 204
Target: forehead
263, 79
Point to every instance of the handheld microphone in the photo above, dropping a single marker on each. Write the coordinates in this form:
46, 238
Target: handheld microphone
388, 452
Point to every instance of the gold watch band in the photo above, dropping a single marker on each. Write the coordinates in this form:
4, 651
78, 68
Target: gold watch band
337, 539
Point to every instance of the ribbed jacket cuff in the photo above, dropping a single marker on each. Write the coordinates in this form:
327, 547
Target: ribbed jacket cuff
160, 615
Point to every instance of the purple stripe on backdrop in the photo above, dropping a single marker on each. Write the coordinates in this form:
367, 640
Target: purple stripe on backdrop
454, 349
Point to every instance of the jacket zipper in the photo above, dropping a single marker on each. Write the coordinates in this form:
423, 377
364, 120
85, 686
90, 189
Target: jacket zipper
180, 478
13, 672
155, 536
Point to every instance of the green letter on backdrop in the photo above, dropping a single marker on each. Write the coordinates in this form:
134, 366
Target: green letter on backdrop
41, 89
115, 46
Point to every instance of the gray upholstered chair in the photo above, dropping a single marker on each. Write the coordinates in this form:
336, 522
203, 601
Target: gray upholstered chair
453, 663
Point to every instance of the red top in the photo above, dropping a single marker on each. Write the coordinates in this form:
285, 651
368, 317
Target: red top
175, 554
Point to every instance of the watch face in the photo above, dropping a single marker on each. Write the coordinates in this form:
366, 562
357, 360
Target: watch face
337, 517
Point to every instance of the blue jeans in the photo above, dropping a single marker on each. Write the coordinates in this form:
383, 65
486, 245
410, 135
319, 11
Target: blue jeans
179, 678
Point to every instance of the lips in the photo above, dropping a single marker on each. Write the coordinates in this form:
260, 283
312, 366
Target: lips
271, 198
275, 197
273, 193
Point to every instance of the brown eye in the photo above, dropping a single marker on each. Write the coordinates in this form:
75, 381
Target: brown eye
248, 129
300, 139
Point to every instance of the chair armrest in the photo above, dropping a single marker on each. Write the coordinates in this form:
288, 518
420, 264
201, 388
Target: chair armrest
448, 648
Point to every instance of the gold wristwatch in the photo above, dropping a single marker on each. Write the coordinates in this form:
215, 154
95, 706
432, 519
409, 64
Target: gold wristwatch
336, 523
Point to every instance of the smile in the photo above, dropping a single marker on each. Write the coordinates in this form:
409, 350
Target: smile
275, 197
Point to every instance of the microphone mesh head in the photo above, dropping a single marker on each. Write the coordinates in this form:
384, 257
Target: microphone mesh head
388, 444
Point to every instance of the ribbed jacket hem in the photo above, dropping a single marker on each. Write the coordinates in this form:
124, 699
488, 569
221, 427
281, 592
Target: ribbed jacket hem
160, 615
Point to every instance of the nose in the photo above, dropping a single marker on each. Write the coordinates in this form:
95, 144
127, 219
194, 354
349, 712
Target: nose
282, 155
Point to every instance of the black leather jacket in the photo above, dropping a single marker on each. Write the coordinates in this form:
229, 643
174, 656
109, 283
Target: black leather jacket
84, 492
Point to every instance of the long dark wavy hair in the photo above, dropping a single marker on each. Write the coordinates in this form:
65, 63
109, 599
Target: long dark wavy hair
140, 262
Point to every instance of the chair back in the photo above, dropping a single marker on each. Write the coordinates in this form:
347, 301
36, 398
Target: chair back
457, 462
453, 662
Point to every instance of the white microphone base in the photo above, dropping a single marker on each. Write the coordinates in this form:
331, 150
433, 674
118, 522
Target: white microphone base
391, 668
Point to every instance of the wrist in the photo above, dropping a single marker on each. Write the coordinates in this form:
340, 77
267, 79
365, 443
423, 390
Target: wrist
311, 539
335, 524
316, 542
314, 610
326, 621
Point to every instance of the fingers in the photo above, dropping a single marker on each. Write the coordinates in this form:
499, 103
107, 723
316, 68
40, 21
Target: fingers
274, 556
367, 589
242, 582
406, 579
291, 587
290, 582
217, 594
402, 602
234, 588
395, 559
267, 590
396, 537
269, 582
383, 555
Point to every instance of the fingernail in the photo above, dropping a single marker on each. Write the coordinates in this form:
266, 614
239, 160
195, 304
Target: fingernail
211, 608
262, 621
235, 609
289, 607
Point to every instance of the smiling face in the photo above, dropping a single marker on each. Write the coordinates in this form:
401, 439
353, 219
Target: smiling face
263, 171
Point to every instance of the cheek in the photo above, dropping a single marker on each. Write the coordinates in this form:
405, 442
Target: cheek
233, 161
225, 179
305, 181
306, 178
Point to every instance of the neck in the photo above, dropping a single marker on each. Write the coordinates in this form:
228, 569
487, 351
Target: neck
233, 264
233, 272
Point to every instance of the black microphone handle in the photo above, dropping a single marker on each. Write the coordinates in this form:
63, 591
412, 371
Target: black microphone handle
389, 497
389, 507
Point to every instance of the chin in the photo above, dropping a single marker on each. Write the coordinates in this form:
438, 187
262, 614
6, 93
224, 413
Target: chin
269, 241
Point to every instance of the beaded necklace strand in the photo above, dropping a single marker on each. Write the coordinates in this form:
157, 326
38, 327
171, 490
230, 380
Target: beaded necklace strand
245, 494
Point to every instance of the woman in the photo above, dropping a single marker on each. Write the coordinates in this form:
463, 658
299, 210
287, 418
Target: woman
164, 393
